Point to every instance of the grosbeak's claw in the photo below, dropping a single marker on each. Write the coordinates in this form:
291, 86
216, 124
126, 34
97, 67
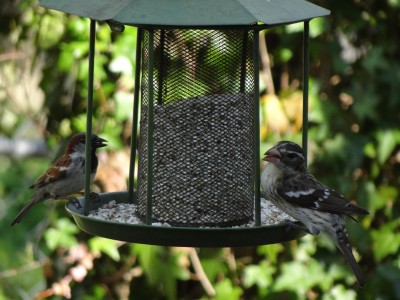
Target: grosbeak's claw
293, 225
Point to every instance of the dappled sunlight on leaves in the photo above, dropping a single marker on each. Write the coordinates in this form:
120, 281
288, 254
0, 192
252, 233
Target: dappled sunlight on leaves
281, 114
354, 146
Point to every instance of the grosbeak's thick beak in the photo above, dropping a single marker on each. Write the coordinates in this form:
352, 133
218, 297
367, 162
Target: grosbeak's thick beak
272, 156
99, 142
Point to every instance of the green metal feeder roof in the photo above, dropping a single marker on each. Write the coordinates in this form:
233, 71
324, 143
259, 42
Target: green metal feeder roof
191, 13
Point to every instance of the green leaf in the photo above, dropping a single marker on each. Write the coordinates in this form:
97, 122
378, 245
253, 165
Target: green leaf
71, 53
79, 122
300, 277
386, 143
386, 240
294, 28
123, 105
159, 261
285, 54
61, 235
97, 292
111, 132
340, 292
394, 3
121, 64
148, 255
376, 201
370, 150
79, 28
226, 290
390, 272
270, 251
259, 275
317, 27
366, 101
375, 60
51, 29
106, 246
213, 266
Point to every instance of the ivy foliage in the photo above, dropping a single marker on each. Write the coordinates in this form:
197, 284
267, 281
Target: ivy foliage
354, 146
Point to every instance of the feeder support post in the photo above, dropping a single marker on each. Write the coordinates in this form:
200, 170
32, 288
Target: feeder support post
256, 125
89, 113
306, 66
135, 120
150, 128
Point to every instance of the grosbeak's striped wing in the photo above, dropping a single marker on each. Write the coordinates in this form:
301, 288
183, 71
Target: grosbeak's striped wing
54, 173
306, 191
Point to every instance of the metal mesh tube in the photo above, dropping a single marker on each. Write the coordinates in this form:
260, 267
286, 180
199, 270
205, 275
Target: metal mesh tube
203, 127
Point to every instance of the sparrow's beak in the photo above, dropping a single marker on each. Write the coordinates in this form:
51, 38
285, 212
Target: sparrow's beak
99, 142
272, 156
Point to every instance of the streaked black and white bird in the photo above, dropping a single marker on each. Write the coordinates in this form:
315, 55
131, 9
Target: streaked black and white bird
291, 187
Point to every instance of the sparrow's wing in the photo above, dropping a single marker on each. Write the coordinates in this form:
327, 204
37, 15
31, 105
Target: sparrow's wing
56, 172
306, 191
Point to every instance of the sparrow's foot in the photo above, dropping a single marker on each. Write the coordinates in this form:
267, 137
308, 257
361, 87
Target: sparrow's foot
297, 226
95, 197
76, 202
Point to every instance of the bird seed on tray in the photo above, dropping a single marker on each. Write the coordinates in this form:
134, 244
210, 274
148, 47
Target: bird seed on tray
126, 213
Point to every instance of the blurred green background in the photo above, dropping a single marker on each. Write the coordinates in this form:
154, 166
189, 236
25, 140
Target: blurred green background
354, 146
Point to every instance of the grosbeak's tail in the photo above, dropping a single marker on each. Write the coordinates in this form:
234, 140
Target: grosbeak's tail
344, 246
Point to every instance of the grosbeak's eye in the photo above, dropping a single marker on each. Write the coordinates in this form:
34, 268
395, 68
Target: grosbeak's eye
292, 155
82, 140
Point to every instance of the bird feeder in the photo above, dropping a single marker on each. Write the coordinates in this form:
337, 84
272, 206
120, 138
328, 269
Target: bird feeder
197, 78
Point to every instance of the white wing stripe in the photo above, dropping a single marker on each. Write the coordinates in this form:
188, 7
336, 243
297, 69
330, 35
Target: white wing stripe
297, 194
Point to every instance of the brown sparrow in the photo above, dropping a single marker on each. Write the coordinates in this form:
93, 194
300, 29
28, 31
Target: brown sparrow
66, 176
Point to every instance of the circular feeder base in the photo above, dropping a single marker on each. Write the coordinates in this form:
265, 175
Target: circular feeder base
176, 236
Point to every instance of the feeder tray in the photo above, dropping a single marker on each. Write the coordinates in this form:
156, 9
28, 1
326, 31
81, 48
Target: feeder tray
176, 236
199, 147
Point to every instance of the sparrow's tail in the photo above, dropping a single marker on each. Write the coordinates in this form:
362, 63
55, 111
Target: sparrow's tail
342, 242
36, 198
